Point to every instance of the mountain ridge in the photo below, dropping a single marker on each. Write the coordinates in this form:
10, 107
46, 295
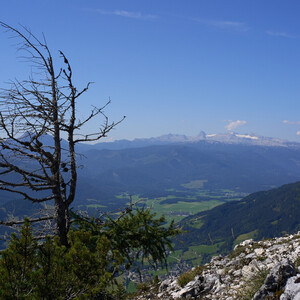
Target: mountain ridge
228, 138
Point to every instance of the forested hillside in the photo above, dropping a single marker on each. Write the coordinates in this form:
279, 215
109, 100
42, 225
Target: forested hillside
260, 215
156, 168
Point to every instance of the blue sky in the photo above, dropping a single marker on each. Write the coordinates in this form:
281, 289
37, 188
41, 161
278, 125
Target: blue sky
174, 66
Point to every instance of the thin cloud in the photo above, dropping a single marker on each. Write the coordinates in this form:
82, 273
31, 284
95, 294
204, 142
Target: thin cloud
224, 25
291, 122
127, 14
282, 34
235, 124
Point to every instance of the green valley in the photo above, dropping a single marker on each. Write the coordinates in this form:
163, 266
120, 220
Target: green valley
178, 204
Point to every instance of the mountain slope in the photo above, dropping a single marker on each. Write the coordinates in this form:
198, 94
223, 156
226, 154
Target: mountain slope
259, 215
223, 166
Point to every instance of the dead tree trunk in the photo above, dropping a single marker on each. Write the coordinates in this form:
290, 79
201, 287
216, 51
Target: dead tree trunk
39, 107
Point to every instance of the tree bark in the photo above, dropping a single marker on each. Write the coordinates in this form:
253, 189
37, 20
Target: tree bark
61, 218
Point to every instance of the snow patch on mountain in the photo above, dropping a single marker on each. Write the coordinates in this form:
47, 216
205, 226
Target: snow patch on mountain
225, 138
247, 136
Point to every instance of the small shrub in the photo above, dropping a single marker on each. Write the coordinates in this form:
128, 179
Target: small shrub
143, 287
187, 277
238, 250
254, 284
261, 258
297, 262
277, 294
245, 261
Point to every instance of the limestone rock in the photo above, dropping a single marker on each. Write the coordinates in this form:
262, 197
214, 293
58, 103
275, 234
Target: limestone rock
276, 279
292, 289
259, 251
231, 277
200, 286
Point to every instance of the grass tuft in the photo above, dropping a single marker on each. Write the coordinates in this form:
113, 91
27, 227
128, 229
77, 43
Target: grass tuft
187, 277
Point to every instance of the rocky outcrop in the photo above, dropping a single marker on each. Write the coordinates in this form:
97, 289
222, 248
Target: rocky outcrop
254, 270
276, 279
292, 289
201, 285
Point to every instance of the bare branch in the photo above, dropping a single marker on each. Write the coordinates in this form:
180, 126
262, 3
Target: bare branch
26, 196
102, 133
44, 106
10, 223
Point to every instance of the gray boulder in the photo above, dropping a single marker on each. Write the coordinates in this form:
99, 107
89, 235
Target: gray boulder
168, 284
200, 286
276, 279
292, 289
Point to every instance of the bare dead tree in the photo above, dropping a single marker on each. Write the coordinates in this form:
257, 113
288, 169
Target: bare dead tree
30, 110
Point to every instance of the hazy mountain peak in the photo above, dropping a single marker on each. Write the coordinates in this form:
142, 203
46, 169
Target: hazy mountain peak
201, 135
226, 138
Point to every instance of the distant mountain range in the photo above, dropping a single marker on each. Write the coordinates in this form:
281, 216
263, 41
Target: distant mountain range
228, 138
246, 163
248, 168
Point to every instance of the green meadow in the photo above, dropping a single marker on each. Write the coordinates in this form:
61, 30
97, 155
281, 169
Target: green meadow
176, 204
